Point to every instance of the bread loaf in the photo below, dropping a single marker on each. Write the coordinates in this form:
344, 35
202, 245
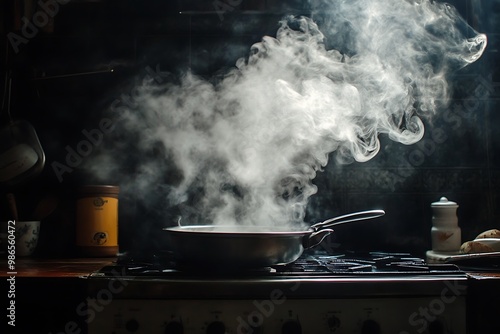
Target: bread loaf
471, 247
494, 233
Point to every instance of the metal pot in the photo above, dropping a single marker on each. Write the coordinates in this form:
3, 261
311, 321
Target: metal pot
250, 246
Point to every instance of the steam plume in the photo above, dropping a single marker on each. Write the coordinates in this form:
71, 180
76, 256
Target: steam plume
248, 146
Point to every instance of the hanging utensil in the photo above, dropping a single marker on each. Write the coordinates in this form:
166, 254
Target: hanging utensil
21, 154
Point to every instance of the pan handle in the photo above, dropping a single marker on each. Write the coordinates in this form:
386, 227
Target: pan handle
350, 217
315, 238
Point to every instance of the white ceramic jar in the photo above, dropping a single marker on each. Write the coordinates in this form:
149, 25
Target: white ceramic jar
445, 233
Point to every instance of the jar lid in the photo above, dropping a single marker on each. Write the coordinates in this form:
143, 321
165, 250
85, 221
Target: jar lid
443, 202
101, 190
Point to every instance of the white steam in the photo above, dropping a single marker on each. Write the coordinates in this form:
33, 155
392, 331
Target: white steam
248, 147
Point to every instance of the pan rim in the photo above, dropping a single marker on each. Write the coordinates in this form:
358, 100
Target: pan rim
229, 230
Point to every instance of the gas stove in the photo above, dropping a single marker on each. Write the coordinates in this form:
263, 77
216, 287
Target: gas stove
319, 293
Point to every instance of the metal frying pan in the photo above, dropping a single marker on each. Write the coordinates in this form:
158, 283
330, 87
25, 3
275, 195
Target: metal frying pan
250, 246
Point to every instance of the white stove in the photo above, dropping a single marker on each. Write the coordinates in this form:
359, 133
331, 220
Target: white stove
373, 293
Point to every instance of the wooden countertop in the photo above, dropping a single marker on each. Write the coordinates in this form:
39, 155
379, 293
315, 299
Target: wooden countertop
36, 267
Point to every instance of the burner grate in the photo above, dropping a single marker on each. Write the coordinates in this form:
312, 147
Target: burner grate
375, 264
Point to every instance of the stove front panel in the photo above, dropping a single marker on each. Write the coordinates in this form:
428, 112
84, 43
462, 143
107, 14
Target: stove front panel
278, 314
321, 305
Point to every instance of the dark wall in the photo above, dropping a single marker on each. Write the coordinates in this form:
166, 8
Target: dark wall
63, 83
457, 158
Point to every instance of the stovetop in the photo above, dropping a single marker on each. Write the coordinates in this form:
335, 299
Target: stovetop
316, 264
318, 274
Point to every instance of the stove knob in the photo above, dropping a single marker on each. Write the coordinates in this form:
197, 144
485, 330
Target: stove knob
174, 327
333, 322
216, 327
370, 327
132, 326
291, 327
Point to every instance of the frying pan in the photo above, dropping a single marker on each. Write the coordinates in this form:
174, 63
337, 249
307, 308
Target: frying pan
231, 246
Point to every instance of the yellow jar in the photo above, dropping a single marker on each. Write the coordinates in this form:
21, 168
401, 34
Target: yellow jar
97, 220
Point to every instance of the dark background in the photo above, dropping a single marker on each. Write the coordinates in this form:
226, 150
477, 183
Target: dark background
138, 38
